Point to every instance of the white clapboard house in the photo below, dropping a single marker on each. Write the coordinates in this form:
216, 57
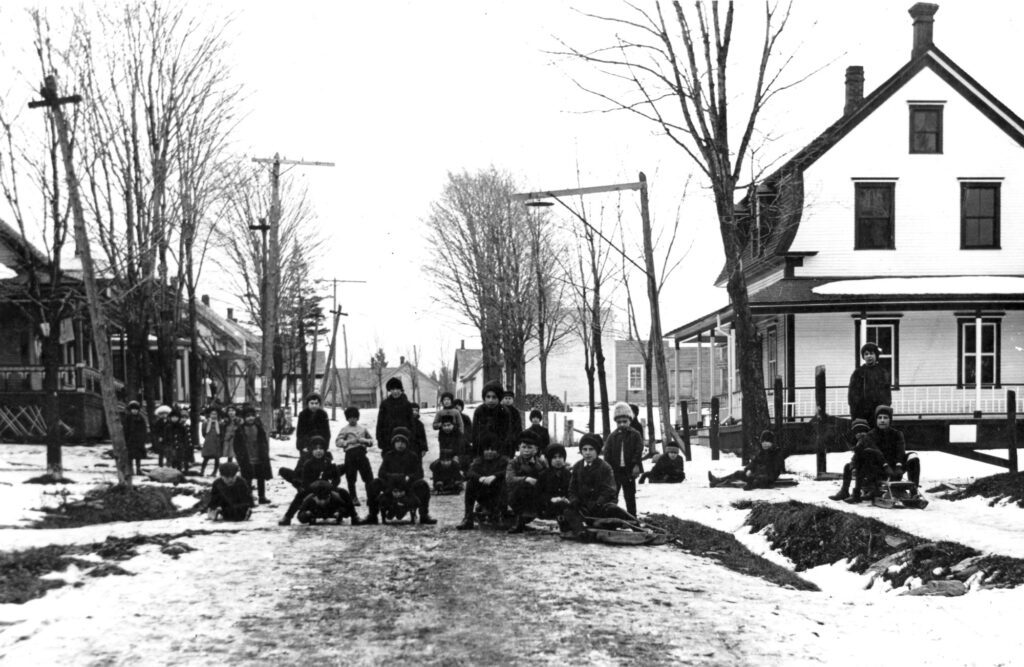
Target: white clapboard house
901, 224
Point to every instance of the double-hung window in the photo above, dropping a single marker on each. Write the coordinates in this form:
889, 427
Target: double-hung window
874, 213
925, 128
635, 377
974, 363
979, 215
886, 335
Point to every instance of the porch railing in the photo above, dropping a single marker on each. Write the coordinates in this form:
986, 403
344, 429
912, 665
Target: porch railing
909, 401
70, 377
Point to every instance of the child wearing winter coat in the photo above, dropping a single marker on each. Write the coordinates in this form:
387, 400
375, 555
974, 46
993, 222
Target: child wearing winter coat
537, 428
490, 417
231, 495
448, 408
522, 478
228, 429
668, 468
253, 451
176, 442
136, 433
554, 483
419, 433
159, 426
325, 503
354, 440
319, 467
449, 438
446, 474
212, 445
762, 471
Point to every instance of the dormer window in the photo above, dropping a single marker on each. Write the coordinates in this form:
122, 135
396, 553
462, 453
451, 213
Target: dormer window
925, 128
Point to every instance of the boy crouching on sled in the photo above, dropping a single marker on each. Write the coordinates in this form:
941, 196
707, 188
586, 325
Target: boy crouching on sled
485, 483
325, 503
592, 491
522, 477
400, 487
446, 474
231, 496
554, 484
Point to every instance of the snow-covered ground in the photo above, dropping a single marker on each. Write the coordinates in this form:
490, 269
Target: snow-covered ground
755, 622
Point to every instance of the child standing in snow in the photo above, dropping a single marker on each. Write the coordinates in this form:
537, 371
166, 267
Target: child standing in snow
253, 451
543, 437
448, 408
176, 442
136, 433
228, 429
419, 433
212, 446
231, 496
353, 439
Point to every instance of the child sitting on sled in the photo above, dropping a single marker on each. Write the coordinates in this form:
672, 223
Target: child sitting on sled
447, 476
325, 503
668, 467
231, 496
762, 471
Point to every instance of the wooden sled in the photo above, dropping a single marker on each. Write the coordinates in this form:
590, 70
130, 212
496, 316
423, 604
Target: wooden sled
899, 495
620, 531
781, 482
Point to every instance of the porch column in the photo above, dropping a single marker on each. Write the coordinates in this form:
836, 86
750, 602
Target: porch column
977, 362
863, 333
731, 366
178, 374
700, 377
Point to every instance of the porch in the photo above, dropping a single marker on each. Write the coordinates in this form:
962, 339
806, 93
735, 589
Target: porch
22, 399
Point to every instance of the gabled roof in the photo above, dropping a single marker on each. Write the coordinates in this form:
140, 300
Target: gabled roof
790, 173
466, 359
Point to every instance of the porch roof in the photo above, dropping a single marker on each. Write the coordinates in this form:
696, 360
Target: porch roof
795, 295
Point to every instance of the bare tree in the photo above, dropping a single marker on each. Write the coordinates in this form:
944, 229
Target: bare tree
475, 228
676, 68
379, 362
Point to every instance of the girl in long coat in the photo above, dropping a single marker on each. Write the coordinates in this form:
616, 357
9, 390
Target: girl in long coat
212, 446
177, 443
228, 429
136, 434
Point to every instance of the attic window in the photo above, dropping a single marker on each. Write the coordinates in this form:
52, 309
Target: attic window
925, 128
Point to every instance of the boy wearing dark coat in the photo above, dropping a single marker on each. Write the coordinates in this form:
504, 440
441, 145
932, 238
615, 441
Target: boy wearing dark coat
395, 411
522, 478
400, 474
762, 471
668, 469
177, 443
485, 482
543, 437
253, 452
231, 495
312, 421
592, 491
446, 476
326, 503
159, 426
869, 466
869, 385
554, 483
136, 434
449, 438
624, 452
319, 467
467, 423
892, 445
515, 420
419, 433
490, 417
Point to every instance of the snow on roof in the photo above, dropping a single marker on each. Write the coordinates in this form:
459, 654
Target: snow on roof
926, 285
7, 272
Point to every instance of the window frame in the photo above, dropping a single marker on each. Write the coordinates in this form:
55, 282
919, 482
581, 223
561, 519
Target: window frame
771, 354
893, 355
997, 213
859, 236
961, 353
926, 108
629, 377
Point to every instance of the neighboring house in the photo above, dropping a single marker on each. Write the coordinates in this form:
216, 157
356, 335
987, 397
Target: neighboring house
362, 388
466, 373
230, 355
901, 224
356, 387
685, 364
419, 387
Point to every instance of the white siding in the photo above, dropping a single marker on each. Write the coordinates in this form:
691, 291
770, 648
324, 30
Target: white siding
1013, 348
566, 377
927, 192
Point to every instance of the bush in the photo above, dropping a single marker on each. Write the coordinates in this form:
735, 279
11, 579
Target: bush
537, 402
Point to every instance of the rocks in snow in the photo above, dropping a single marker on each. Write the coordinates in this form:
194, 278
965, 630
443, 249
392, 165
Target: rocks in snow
942, 588
166, 475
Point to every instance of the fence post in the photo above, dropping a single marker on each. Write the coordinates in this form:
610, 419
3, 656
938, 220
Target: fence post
567, 439
713, 429
819, 429
684, 423
777, 388
1011, 427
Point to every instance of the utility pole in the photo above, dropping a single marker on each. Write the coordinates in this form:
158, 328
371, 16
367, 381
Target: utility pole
273, 281
329, 366
101, 338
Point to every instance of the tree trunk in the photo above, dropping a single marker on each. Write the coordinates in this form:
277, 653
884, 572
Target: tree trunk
589, 370
196, 391
649, 388
491, 356
51, 404
602, 376
653, 292
304, 358
544, 386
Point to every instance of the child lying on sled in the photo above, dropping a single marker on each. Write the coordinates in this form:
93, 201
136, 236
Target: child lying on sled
762, 472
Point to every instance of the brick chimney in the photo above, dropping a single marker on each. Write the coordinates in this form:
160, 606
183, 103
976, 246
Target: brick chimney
205, 299
854, 89
922, 13
462, 344
231, 314
401, 360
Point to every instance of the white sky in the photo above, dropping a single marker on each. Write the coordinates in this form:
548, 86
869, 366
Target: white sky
399, 93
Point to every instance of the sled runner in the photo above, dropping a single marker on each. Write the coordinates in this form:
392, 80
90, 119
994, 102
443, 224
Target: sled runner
899, 495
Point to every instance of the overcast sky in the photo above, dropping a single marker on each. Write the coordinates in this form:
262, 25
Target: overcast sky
398, 94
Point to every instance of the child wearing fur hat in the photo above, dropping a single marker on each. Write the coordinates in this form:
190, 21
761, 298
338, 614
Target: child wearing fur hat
624, 452
446, 474
395, 411
326, 503
868, 466
448, 408
492, 418
668, 467
212, 446
252, 450
592, 490
891, 443
869, 386
400, 474
354, 439
231, 495
467, 423
537, 428
763, 469
522, 478
319, 467
485, 482
228, 429
554, 483
312, 421
136, 434
176, 442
